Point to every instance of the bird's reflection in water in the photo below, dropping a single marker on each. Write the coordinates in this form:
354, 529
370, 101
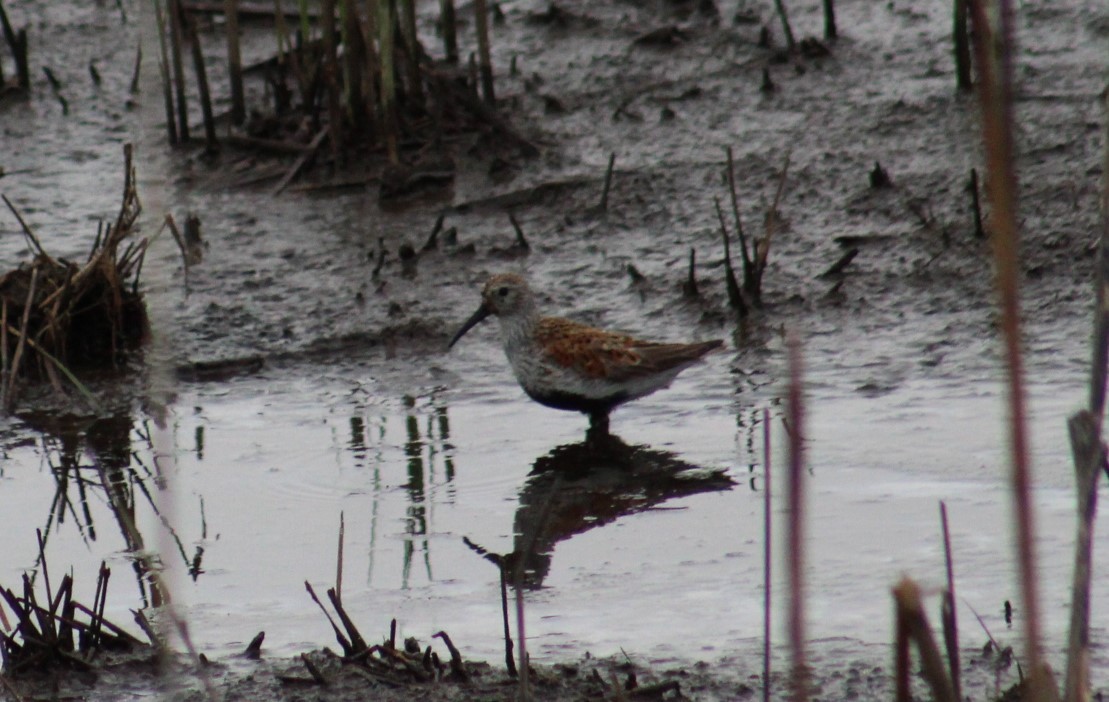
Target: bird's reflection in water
578, 487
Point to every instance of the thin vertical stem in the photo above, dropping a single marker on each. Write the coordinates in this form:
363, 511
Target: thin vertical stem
386, 31
234, 61
962, 46
485, 63
163, 69
795, 540
176, 39
212, 143
949, 613
450, 29
767, 538
412, 51
994, 48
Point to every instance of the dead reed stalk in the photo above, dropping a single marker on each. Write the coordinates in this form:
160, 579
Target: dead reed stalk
994, 47
795, 537
234, 61
1088, 449
913, 626
767, 550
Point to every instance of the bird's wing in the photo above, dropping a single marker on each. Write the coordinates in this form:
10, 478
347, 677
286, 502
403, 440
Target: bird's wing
596, 353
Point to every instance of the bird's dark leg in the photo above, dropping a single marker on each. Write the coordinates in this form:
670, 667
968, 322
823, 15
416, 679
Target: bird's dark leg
598, 426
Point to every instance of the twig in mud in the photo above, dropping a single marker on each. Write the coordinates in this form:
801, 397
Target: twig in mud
830, 31
17, 357
380, 263
767, 550
457, 666
356, 640
993, 45
608, 181
843, 262
521, 243
735, 297
234, 61
910, 615
689, 287
27, 231
134, 87
163, 71
17, 42
210, 140
749, 281
781, 8
962, 46
313, 670
339, 558
948, 611
481, 20
344, 642
253, 650
432, 242
976, 207
306, 157
176, 38
767, 85
795, 500
879, 178
56, 88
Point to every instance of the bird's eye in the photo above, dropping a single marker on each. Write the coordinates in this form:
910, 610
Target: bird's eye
503, 292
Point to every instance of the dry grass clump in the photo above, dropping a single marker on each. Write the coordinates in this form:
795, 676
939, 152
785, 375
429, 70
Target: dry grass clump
56, 315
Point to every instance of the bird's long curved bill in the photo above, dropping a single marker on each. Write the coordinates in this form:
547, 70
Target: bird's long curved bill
473, 321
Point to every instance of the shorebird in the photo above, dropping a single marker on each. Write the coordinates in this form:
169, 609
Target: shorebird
567, 365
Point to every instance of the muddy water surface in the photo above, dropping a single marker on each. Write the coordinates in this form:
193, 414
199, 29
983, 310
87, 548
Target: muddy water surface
358, 411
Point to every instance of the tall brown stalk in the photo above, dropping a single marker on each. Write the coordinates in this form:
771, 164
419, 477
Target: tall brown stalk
994, 46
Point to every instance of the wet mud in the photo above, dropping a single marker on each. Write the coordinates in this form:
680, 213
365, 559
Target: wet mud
301, 364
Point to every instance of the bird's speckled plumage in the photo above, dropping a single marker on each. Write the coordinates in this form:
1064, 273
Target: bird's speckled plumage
567, 365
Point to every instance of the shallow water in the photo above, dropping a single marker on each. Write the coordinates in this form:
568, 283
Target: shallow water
417, 449
256, 472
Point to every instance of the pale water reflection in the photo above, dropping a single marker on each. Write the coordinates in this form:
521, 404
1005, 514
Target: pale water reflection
654, 546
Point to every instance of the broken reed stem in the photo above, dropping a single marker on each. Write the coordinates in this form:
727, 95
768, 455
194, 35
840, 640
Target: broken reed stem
994, 47
509, 659
948, 612
386, 32
962, 46
910, 615
1088, 450
339, 558
234, 61
330, 68
735, 297
485, 63
608, 181
781, 8
767, 562
17, 41
17, 357
163, 70
176, 37
210, 140
412, 52
795, 538
449, 25
748, 274
830, 31
976, 205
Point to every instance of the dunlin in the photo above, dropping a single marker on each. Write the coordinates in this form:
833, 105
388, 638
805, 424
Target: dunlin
571, 366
